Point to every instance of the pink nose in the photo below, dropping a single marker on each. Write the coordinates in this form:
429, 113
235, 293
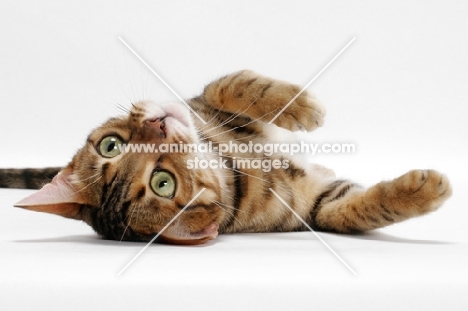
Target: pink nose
158, 125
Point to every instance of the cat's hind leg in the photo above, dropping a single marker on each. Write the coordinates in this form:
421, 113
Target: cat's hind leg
347, 208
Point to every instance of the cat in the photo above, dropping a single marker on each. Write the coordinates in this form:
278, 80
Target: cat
132, 196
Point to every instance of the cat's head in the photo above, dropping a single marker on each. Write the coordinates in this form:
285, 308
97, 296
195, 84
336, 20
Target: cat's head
131, 195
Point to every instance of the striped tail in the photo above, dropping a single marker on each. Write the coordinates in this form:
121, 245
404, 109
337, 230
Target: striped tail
27, 178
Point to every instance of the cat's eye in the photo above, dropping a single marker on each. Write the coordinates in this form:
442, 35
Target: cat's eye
109, 146
163, 184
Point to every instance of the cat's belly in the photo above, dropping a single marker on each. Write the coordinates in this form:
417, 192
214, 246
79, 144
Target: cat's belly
282, 136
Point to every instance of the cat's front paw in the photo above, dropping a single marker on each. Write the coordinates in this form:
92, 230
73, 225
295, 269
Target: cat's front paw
421, 190
305, 113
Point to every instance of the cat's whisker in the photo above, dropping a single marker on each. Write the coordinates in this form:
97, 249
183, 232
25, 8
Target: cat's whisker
123, 108
99, 93
266, 181
231, 207
129, 222
208, 124
234, 217
137, 218
92, 176
237, 157
236, 139
233, 116
224, 209
230, 213
234, 128
252, 119
89, 184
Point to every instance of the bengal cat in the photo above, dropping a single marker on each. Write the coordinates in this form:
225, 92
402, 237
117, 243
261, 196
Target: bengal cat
132, 196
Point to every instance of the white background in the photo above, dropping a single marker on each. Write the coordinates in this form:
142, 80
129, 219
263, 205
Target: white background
399, 93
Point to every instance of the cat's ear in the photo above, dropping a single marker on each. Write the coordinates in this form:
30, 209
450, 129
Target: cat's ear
57, 197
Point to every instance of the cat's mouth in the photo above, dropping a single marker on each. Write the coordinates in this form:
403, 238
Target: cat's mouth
175, 235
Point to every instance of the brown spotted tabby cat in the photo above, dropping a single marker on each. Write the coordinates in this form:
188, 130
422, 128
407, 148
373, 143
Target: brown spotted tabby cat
131, 196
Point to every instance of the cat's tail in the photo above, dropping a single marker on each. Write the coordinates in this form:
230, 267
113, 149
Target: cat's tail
27, 178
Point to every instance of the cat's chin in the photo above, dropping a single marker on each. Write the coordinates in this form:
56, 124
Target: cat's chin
184, 238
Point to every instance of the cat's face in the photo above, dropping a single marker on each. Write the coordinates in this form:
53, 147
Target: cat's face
134, 195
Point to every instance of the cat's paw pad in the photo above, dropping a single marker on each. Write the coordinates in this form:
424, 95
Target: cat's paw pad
424, 190
305, 113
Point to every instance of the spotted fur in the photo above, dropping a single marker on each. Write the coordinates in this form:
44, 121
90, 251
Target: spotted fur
115, 198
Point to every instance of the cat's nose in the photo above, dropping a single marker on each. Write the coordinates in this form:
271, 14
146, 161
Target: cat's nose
158, 125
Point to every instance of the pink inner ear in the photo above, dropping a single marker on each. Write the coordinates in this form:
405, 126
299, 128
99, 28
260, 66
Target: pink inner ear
57, 197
